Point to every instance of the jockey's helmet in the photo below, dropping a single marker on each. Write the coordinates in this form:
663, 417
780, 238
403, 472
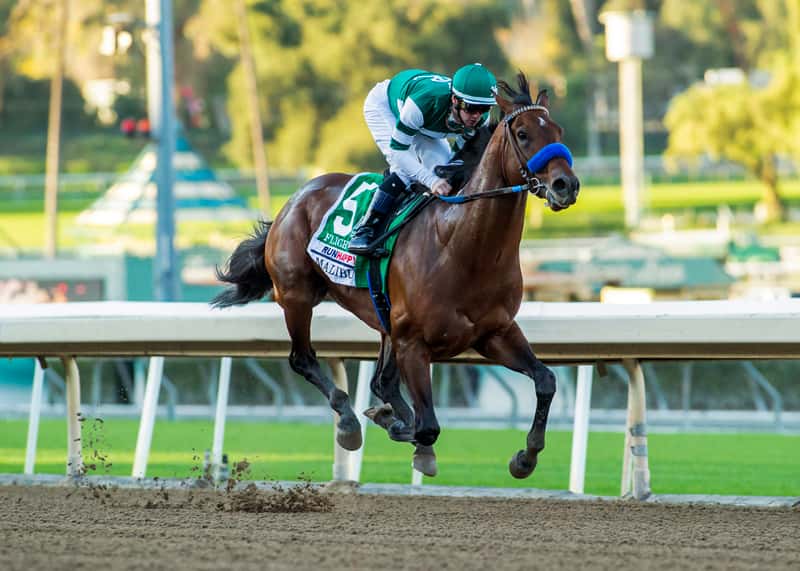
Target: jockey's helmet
474, 84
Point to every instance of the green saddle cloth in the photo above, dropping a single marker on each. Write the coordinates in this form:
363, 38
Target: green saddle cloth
328, 245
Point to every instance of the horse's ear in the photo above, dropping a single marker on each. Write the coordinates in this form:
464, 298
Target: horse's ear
505, 106
543, 99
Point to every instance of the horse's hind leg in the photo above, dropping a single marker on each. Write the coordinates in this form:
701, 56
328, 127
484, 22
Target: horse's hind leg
511, 349
304, 361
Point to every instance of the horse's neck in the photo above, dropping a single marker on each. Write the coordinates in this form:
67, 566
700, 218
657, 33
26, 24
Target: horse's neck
488, 224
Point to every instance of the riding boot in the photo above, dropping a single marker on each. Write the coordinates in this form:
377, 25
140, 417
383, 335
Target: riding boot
378, 214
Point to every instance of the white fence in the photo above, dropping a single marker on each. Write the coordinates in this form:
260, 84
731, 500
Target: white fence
580, 333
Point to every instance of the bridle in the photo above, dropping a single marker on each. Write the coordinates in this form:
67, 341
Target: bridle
535, 186
527, 167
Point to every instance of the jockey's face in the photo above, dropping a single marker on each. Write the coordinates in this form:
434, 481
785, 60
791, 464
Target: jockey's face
467, 114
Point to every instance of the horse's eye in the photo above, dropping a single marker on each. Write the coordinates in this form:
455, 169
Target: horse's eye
522, 135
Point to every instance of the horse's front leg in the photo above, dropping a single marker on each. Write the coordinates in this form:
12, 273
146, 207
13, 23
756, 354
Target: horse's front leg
413, 360
510, 348
395, 416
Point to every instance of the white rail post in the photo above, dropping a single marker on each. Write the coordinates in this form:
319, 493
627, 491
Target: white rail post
73, 382
365, 371
580, 429
222, 406
139, 375
341, 470
635, 468
149, 407
33, 418
347, 464
416, 477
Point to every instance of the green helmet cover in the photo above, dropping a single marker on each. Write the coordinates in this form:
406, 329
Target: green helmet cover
475, 84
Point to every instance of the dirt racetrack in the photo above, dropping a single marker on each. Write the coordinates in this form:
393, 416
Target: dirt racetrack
97, 528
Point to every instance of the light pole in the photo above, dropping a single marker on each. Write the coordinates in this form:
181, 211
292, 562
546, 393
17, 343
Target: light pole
54, 137
629, 40
161, 113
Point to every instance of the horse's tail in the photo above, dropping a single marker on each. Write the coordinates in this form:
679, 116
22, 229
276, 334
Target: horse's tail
245, 271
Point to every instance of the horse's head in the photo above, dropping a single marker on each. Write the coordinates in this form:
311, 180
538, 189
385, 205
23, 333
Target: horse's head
533, 149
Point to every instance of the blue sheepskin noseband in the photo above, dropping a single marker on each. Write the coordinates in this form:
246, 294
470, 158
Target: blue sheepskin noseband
539, 161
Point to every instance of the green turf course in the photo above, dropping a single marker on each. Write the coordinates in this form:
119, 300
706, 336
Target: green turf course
22, 222
730, 464
599, 210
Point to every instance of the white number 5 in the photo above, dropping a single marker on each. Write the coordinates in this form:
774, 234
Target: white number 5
341, 225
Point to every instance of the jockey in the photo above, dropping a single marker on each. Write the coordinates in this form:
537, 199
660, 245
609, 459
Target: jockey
410, 117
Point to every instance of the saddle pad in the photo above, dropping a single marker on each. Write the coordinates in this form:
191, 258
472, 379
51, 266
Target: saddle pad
328, 245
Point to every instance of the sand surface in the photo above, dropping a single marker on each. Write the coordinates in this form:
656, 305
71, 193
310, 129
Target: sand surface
46, 527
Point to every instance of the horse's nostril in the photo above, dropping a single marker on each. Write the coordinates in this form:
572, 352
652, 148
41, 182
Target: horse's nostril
559, 184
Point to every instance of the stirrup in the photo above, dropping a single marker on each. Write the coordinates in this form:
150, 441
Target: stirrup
362, 240
371, 250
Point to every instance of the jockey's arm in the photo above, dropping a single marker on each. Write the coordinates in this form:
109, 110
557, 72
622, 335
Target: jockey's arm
403, 158
407, 165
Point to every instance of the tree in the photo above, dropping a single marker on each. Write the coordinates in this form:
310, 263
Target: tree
730, 122
6, 47
791, 85
743, 123
317, 59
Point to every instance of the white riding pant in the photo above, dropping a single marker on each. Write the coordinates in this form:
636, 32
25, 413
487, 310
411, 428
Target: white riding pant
425, 153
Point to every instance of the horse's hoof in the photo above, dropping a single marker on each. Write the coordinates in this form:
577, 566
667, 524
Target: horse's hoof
520, 467
382, 415
399, 431
348, 434
427, 436
425, 463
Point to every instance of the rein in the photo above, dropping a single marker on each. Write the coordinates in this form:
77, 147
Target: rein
527, 168
502, 191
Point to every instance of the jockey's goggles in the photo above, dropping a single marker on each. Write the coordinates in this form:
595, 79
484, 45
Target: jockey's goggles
472, 107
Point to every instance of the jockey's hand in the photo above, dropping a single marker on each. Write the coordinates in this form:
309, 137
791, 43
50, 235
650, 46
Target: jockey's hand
441, 187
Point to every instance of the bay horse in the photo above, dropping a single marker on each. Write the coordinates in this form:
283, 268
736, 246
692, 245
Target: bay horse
454, 281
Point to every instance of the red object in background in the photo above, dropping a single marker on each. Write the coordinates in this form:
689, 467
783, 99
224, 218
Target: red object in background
128, 127
193, 107
143, 127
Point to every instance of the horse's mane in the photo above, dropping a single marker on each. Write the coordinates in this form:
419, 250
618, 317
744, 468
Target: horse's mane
521, 97
471, 154
473, 148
